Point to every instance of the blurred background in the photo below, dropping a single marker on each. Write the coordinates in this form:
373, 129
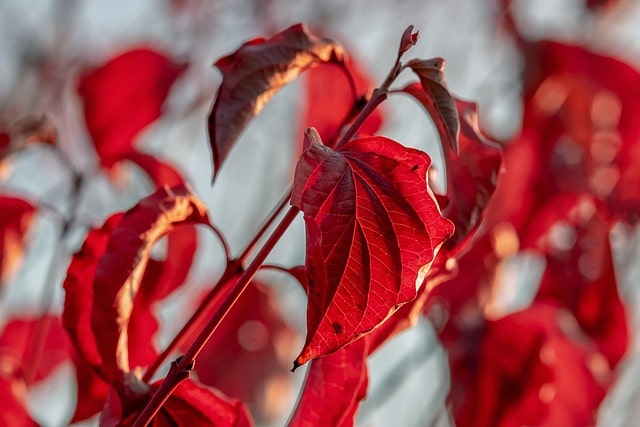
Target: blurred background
48, 44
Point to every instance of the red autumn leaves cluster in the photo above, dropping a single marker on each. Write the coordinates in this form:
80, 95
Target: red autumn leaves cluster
381, 248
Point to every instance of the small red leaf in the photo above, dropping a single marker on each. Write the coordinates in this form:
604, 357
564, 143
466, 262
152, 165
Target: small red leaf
120, 270
373, 228
15, 220
254, 73
438, 101
124, 96
408, 40
333, 389
160, 172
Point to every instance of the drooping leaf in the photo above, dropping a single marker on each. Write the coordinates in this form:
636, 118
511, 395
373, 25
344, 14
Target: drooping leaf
16, 217
254, 73
471, 176
372, 231
78, 286
191, 404
120, 270
333, 389
248, 356
123, 96
438, 101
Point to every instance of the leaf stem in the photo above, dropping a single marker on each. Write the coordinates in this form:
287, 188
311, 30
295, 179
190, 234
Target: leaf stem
172, 380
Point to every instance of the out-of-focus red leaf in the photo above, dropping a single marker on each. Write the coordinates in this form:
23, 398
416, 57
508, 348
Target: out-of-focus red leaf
254, 73
160, 172
191, 404
579, 135
327, 110
579, 272
334, 387
78, 286
120, 270
21, 338
92, 391
12, 407
534, 367
16, 217
123, 96
438, 101
247, 357
372, 228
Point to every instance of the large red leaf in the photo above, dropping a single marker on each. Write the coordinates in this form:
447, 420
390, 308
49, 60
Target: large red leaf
254, 73
334, 387
372, 231
191, 404
123, 96
120, 270
438, 101
248, 356
14, 222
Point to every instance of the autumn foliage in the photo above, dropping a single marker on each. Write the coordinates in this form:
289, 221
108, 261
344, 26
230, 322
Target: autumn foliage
384, 248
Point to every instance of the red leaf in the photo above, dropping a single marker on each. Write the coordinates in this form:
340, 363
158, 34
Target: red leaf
579, 270
471, 176
120, 269
124, 96
408, 40
328, 111
21, 338
12, 407
334, 387
372, 231
247, 356
191, 404
534, 368
15, 220
78, 286
160, 172
438, 101
254, 73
